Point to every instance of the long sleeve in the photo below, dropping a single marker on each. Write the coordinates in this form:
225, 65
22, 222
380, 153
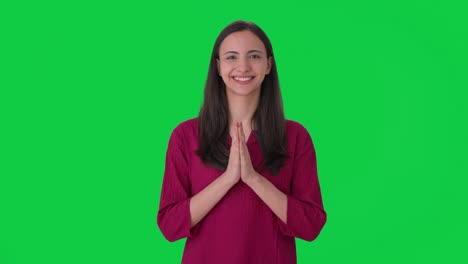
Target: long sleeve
305, 213
174, 209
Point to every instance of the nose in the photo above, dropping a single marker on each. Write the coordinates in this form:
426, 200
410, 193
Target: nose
243, 64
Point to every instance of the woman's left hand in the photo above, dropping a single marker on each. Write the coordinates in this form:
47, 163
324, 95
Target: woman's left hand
247, 171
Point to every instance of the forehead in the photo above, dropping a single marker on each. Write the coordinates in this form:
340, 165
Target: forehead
241, 41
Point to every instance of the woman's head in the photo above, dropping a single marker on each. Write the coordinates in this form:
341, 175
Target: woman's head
243, 63
238, 39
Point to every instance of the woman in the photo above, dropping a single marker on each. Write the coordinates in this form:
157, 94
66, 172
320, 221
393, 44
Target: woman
240, 181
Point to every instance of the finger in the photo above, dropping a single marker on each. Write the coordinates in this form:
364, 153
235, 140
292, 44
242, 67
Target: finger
237, 135
244, 151
242, 132
242, 146
234, 141
234, 153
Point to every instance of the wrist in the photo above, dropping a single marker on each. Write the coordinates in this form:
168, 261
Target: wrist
253, 180
228, 179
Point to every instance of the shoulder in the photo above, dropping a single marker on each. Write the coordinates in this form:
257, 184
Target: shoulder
294, 128
187, 125
299, 137
186, 129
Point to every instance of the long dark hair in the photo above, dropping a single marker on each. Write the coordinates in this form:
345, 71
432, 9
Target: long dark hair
268, 118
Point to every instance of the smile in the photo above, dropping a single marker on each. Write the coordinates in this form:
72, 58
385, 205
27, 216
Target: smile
243, 79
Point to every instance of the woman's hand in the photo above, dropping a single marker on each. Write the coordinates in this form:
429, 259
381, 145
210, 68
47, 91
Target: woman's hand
247, 171
233, 172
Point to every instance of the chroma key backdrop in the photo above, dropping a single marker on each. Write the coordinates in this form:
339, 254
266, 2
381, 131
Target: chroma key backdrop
90, 92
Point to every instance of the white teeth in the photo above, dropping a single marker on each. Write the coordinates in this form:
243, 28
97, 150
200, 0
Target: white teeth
243, 79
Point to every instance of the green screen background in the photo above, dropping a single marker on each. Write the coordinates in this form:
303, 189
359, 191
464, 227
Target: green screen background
90, 92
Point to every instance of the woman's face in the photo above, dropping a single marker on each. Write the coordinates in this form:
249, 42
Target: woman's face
243, 63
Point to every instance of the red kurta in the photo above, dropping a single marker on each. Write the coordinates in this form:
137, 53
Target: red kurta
241, 228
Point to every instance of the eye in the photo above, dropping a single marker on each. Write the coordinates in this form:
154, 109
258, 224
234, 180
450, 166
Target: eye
230, 57
255, 56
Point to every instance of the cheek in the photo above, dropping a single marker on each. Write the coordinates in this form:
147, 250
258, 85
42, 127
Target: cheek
265, 68
225, 72
225, 76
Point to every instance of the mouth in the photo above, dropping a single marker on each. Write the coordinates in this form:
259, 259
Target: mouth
243, 79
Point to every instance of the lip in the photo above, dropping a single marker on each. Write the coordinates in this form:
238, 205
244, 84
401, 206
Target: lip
243, 82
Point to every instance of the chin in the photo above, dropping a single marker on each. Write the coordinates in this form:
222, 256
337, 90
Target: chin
243, 91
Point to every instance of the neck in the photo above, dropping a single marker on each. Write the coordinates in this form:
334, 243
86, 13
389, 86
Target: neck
242, 108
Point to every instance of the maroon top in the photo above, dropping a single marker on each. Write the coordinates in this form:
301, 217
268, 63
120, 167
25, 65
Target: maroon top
241, 228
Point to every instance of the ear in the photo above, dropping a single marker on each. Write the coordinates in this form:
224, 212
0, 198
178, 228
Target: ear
217, 66
269, 61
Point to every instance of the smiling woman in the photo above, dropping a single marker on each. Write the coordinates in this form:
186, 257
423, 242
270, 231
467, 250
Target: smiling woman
241, 181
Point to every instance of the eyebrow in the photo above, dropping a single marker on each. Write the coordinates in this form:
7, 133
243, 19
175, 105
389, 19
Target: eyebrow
235, 52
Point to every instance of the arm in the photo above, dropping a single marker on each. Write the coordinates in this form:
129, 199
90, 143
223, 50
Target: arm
179, 213
174, 208
270, 195
300, 213
199, 206
306, 215
204, 201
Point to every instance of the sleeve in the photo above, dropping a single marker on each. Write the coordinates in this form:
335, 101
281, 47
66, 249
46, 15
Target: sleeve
305, 213
174, 208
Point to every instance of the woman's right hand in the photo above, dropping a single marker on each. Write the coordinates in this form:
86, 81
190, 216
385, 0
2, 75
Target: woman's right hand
233, 172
